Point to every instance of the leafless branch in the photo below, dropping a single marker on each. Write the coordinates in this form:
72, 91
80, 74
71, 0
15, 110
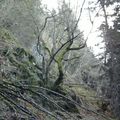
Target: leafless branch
79, 15
70, 59
78, 48
8, 90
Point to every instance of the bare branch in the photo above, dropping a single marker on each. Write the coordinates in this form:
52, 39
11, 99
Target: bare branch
78, 48
90, 16
79, 15
16, 104
70, 59
62, 47
40, 94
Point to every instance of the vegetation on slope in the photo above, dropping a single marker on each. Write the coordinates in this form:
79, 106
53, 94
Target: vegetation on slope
23, 94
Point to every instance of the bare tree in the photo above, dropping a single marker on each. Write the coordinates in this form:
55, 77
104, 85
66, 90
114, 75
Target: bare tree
63, 35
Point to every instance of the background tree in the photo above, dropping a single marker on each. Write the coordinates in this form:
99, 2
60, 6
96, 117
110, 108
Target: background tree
110, 34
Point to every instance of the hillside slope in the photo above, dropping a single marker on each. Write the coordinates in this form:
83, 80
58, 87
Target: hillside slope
23, 95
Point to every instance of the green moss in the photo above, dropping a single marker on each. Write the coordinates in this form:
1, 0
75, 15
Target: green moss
61, 53
18, 58
8, 37
23, 61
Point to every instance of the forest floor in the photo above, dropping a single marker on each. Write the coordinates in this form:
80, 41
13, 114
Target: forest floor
93, 107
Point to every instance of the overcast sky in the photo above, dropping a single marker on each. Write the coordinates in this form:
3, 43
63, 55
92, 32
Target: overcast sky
84, 23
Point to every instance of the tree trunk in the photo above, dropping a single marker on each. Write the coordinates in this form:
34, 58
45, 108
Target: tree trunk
60, 77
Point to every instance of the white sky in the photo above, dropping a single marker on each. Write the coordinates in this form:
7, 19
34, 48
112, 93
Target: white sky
84, 23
